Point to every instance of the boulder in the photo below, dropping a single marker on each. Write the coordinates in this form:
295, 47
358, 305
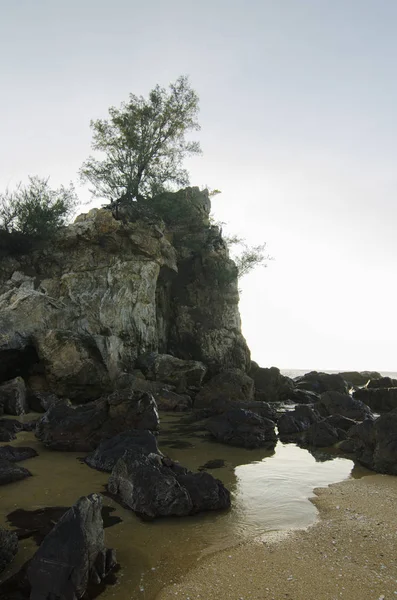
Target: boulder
154, 486
321, 382
41, 401
382, 382
16, 453
302, 396
13, 397
359, 377
73, 555
243, 428
82, 428
340, 423
335, 403
297, 420
321, 435
8, 547
232, 385
170, 401
378, 399
374, 443
109, 451
183, 374
270, 384
10, 472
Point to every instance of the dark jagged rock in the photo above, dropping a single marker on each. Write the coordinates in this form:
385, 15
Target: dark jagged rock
230, 386
82, 428
321, 382
297, 420
41, 401
109, 451
9, 428
182, 374
270, 385
321, 435
16, 453
332, 403
154, 486
243, 428
13, 397
303, 396
170, 401
10, 472
378, 399
8, 547
340, 422
37, 524
374, 443
359, 377
382, 382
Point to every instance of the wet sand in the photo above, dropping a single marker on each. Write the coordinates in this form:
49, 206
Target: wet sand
350, 553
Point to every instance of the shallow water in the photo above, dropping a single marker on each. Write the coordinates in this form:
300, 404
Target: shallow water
270, 492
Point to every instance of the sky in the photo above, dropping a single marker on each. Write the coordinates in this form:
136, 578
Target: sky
298, 130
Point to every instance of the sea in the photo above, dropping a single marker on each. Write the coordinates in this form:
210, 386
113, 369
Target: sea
292, 373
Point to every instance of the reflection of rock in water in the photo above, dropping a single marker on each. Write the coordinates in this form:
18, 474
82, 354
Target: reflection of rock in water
177, 444
320, 455
38, 523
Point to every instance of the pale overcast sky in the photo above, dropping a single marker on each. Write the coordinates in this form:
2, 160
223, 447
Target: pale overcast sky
298, 116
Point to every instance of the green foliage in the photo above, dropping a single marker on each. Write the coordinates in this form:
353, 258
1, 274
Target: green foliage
144, 144
35, 210
247, 257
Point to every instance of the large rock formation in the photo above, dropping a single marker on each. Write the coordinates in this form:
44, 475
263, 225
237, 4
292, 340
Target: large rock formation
77, 312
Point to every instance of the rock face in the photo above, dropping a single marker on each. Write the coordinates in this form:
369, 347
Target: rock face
270, 385
13, 397
378, 399
231, 385
243, 428
82, 428
168, 369
72, 555
335, 403
154, 486
85, 306
374, 443
322, 382
8, 547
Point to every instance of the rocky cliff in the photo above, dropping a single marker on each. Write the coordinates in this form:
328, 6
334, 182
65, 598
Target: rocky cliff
77, 312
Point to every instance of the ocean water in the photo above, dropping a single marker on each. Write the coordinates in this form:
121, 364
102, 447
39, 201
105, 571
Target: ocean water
292, 373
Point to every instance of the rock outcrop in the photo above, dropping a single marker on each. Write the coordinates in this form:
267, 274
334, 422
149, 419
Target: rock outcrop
335, 403
243, 428
321, 382
378, 399
82, 308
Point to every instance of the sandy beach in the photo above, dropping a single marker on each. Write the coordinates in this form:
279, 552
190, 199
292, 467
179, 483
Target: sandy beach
349, 553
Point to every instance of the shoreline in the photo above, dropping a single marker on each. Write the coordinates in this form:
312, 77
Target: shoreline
348, 553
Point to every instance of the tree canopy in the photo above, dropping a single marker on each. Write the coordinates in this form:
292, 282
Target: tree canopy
35, 209
143, 144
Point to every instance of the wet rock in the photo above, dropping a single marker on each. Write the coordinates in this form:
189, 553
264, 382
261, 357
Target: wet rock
10, 472
303, 396
166, 368
217, 463
332, 403
231, 386
378, 399
82, 428
109, 451
154, 486
37, 524
321, 435
8, 547
41, 401
13, 397
270, 384
321, 382
72, 555
340, 423
16, 453
222, 405
8, 429
243, 428
170, 401
297, 420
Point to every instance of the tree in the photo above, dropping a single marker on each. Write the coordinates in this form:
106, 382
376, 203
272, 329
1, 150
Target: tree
35, 209
144, 144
